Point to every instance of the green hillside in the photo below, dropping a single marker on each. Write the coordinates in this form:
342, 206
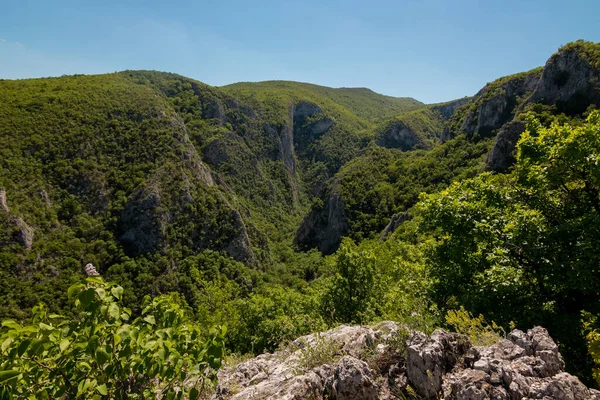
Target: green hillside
362, 102
261, 206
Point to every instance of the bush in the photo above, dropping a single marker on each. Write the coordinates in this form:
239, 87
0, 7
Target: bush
480, 333
100, 354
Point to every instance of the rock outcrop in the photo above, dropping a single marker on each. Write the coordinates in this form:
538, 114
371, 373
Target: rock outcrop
16, 230
430, 358
24, 233
370, 363
400, 136
447, 109
395, 222
522, 366
569, 82
502, 154
3, 205
309, 124
324, 227
287, 375
497, 103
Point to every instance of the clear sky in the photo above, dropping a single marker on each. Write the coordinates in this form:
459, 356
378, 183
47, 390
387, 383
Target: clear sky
433, 50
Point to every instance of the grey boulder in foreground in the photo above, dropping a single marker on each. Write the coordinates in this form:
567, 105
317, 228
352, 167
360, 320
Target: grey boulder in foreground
361, 362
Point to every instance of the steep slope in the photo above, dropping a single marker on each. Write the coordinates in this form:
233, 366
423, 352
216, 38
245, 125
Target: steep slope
101, 168
381, 183
386, 178
568, 84
140, 170
479, 133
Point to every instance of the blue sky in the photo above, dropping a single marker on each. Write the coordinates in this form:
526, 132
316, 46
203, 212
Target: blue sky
433, 50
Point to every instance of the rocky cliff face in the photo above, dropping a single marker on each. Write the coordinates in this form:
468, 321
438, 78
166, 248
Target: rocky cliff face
14, 230
448, 109
382, 362
502, 154
394, 224
400, 136
419, 129
569, 82
494, 105
324, 227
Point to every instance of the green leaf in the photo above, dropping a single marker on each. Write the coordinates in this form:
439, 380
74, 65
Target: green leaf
75, 289
36, 345
9, 323
102, 356
95, 279
23, 347
194, 394
117, 291
6, 376
150, 319
87, 296
102, 389
45, 327
82, 364
113, 311
64, 344
6, 343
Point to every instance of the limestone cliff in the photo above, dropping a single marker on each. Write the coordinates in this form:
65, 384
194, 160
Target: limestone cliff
324, 226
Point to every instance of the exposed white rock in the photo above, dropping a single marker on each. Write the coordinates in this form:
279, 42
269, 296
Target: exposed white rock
524, 366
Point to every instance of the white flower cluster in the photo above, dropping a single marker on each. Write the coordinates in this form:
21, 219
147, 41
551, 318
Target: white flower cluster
90, 270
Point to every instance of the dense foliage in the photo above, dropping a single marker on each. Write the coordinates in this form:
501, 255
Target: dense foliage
382, 182
362, 102
99, 353
526, 240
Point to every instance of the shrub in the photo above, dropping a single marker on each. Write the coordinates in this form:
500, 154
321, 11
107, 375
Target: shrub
100, 354
476, 328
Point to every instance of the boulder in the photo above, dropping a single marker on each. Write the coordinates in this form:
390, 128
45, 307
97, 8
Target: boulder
351, 379
429, 358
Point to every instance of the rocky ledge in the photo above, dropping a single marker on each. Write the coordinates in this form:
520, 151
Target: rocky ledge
387, 362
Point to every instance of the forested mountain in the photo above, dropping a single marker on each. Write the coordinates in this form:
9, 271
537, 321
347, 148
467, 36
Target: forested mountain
262, 205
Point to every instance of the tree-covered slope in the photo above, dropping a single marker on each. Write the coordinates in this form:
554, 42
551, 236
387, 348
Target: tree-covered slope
141, 171
362, 102
478, 133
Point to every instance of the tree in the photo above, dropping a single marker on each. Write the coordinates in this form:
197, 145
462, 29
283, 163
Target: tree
523, 246
350, 294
